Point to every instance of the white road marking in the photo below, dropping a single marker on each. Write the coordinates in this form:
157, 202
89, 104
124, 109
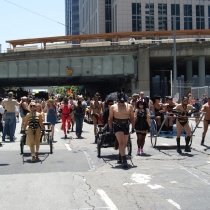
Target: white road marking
107, 200
155, 186
92, 167
203, 180
208, 161
173, 182
56, 130
174, 203
165, 144
91, 208
141, 178
68, 147
129, 184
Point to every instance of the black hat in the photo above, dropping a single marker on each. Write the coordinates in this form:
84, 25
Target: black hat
140, 102
156, 97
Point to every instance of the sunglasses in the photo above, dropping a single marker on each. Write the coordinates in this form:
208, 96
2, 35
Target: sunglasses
33, 106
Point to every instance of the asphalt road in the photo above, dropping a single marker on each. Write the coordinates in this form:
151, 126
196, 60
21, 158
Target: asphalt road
74, 178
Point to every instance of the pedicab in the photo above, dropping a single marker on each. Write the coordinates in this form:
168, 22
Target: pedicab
154, 133
45, 139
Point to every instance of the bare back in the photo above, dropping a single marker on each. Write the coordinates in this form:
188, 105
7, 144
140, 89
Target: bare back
119, 111
206, 109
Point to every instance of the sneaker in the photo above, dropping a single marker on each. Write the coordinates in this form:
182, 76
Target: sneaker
179, 150
137, 153
68, 131
187, 149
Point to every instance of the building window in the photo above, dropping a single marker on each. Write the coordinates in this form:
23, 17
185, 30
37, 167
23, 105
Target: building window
175, 11
187, 17
136, 17
162, 16
200, 20
108, 16
149, 18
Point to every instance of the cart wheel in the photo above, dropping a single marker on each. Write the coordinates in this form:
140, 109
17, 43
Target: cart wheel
51, 144
129, 146
153, 133
99, 147
22, 143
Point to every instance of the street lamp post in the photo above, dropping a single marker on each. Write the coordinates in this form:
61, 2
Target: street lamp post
174, 58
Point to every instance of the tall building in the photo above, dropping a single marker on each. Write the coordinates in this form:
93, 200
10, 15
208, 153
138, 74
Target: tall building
72, 17
104, 16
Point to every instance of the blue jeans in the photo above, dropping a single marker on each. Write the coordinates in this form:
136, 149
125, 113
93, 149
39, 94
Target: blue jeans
10, 123
79, 123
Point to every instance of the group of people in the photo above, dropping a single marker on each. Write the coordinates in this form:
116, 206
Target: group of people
118, 115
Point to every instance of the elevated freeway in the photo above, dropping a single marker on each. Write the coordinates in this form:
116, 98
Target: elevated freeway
130, 65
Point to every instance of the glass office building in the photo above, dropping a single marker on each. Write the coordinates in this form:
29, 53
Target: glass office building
72, 17
104, 16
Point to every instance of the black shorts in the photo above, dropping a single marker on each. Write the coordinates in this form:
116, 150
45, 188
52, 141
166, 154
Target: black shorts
121, 128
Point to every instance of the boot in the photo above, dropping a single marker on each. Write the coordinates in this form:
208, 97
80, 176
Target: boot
187, 147
202, 141
37, 155
33, 159
119, 159
65, 136
96, 138
124, 163
178, 145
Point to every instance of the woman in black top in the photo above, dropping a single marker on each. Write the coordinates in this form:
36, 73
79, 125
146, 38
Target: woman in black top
142, 121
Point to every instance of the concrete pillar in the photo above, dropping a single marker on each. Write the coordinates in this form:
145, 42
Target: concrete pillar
201, 70
189, 70
144, 71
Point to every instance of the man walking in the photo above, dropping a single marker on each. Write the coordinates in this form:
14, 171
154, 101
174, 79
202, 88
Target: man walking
9, 116
1, 117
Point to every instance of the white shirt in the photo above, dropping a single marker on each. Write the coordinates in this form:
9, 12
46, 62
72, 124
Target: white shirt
1, 109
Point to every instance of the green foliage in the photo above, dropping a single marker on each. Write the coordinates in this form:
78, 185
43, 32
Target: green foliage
64, 89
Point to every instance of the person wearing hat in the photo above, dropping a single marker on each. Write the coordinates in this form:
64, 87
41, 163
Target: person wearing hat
158, 110
96, 108
79, 113
169, 105
120, 116
133, 102
183, 111
9, 116
65, 110
142, 122
34, 123
51, 111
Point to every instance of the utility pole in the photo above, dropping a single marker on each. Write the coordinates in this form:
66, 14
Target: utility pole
174, 59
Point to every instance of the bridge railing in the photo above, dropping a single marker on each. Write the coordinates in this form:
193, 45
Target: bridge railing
105, 43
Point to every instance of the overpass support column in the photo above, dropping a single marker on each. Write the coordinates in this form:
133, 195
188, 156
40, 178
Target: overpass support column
189, 70
144, 71
201, 70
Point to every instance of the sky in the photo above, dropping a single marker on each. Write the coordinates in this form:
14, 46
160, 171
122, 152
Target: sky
18, 23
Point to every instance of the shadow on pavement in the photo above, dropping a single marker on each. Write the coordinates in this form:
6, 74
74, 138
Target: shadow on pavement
4, 164
40, 159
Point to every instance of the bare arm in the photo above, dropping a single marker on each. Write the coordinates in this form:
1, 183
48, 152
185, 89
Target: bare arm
132, 117
148, 116
111, 115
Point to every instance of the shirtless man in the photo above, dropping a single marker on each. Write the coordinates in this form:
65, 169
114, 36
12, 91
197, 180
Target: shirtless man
119, 116
205, 108
96, 107
183, 110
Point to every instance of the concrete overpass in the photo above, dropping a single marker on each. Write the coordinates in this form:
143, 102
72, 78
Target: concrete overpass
106, 67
